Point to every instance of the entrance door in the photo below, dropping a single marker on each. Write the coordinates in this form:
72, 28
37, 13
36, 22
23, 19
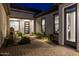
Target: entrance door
70, 26
26, 27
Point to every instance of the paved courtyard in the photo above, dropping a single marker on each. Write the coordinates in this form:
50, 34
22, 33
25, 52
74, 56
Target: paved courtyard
38, 48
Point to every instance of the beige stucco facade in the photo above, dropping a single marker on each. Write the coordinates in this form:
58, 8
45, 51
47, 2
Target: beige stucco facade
21, 24
3, 23
49, 23
31, 25
35, 23
61, 22
23, 16
17, 13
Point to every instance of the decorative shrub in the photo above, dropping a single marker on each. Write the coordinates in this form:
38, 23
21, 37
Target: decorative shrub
25, 40
41, 35
44, 35
9, 41
33, 33
53, 38
19, 33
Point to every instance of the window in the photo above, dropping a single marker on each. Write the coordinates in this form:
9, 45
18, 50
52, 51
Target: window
43, 25
15, 25
56, 23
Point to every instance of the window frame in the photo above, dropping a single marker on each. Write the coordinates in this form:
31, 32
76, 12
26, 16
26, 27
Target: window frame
15, 21
55, 14
44, 25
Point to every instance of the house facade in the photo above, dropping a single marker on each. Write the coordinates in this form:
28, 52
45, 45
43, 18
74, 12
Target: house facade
61, 20
4, 24
64, 19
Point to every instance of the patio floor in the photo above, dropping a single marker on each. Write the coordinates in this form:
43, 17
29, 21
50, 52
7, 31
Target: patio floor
38, 48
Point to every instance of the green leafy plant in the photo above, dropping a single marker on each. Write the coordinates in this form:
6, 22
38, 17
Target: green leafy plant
25, 40
33, 33
19, 33
8, 41
53, 38
44, 35
41, 35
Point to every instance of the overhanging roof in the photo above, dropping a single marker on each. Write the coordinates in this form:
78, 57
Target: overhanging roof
53, 9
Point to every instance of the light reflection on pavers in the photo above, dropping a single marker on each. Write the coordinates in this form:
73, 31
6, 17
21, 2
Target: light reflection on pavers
38, 48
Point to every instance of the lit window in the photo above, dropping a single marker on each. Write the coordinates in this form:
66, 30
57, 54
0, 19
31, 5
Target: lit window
43, 25
56, 22
15, 25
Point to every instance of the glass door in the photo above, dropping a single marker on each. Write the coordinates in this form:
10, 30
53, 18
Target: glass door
70, 26
26, 27
70, 22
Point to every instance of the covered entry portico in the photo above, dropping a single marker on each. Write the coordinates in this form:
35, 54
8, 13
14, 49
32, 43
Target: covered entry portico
68, 23
62, 20
26, 26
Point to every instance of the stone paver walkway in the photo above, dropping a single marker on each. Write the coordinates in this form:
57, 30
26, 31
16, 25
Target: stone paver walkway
38, 48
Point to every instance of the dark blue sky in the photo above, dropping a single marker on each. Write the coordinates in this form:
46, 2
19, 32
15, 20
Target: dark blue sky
39, 6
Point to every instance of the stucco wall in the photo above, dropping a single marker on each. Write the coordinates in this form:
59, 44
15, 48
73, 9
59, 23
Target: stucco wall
0, 26
21, 24
23, 16
78, 27
3, 24
49, 23
38, 25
